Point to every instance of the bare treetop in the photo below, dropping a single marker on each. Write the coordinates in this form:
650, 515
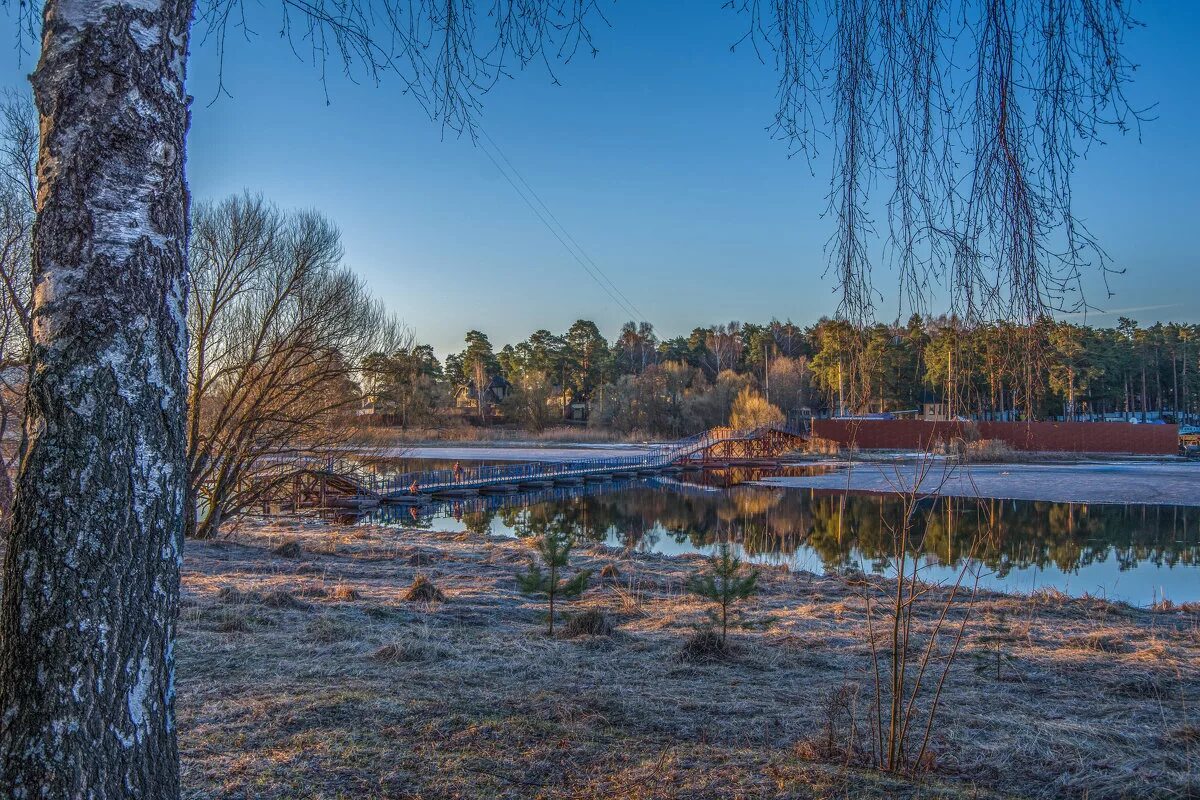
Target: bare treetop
447, 53
972, 114
954, 125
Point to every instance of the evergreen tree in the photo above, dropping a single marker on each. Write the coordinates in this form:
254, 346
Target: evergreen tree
725, 584
587, 357
554, 548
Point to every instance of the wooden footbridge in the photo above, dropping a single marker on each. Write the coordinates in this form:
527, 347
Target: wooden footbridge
335, 482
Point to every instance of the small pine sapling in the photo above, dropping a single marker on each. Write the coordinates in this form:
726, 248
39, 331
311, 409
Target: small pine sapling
725, 583
554, 550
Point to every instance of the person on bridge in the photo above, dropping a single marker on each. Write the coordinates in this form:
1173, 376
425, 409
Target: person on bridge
412, 487
458, 472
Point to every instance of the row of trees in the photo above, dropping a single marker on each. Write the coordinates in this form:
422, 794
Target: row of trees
284, 341
1003, 370
674, 386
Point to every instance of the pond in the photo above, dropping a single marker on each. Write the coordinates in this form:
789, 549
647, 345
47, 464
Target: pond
1134, 553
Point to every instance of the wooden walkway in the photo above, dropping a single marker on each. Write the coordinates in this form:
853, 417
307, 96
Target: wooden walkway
335, 482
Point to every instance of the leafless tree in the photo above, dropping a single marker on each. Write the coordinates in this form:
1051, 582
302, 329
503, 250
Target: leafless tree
277, 328
724, 344
974, 112
912, 632
18, 192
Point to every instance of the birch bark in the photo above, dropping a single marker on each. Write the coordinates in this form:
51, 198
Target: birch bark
91, 576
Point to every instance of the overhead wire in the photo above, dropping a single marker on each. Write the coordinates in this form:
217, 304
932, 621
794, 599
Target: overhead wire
564, 237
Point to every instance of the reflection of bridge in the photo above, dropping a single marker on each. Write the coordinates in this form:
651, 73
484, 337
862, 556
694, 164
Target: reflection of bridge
333, 482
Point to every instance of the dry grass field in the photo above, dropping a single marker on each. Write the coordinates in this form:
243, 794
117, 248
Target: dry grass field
305, 671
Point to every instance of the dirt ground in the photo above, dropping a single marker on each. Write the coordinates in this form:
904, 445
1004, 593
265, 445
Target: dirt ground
304, 673
1164, 483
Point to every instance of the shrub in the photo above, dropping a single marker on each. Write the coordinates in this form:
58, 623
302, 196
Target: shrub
752, 410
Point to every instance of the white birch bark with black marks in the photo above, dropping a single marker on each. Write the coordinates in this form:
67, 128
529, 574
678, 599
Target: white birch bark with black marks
91, 576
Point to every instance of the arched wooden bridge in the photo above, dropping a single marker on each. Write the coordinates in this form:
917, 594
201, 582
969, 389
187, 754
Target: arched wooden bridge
335, 482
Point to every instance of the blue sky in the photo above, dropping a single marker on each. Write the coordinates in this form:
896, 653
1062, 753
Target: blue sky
655, 157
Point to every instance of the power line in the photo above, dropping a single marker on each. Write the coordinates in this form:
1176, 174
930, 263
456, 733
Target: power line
577, 252
640, 317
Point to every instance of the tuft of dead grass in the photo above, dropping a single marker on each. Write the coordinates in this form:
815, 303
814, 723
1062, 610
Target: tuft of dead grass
345, 593
274, 598
1103, 641
408, 651
279, 598
423, 590
1168, 606
610, 571
592, 622
232, 595
705, 646
289, 549
329, 628
230, 621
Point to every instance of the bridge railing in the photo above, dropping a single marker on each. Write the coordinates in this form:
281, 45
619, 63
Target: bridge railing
475, 476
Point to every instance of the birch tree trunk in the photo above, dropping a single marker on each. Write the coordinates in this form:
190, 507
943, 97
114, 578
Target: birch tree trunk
91, 577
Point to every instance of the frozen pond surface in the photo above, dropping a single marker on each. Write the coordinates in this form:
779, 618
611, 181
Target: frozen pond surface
1173, 483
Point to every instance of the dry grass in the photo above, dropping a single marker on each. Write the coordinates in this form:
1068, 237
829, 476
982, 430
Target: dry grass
423, 590
592, 622
336, 696
987, 451
288, 549
705, 646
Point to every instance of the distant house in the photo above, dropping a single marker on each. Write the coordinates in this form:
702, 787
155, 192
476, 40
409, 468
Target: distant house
576, 407
466, 397
934, 412
374, 410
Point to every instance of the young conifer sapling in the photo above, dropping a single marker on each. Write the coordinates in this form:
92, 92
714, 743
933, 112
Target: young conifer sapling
554, 549
725, 583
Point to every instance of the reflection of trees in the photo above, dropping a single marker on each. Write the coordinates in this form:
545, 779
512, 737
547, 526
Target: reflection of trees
840, 529
478, 521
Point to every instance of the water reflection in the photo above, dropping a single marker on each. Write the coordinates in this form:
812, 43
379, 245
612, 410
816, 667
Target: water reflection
1134, 553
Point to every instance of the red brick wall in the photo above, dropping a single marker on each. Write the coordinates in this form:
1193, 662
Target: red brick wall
1072, 437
